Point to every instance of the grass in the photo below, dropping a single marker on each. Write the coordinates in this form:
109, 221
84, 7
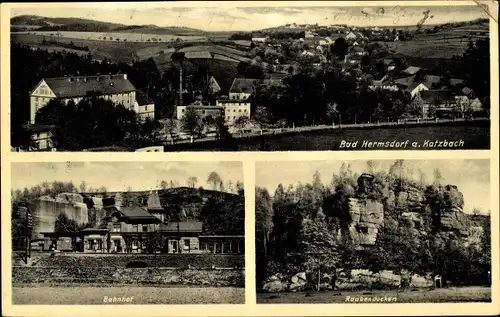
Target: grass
142, 295
442, 295
117, 51
111, 36
443, 44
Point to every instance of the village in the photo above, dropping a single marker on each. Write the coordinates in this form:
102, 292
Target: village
362, 60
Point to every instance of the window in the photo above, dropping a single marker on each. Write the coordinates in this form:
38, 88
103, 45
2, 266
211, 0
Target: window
239, 110
116, 227
186, 244
144, 228
135, 228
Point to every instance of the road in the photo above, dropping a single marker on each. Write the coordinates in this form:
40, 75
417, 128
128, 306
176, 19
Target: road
286, 130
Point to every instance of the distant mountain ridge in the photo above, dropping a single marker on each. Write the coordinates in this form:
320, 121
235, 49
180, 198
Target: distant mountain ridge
40, 23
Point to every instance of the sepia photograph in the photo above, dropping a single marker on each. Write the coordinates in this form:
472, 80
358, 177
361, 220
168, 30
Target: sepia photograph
373, 231
146, 233
180, 77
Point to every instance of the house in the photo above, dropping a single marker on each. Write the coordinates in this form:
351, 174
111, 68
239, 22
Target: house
352, 60
203, 110
410, 85
411, 70
384, 83
182, 237
128, 227
259, 39
443, 101
116, 88
351, 36
358, 50
355, 43
308, 34
145, 106
41, 135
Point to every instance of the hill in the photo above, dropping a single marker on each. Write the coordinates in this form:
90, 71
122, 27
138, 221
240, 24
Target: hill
39, 23
62, 24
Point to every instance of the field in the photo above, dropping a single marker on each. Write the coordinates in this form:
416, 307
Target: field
117, 36
476, 135
142, 295
440, 295
444, 43
125, 51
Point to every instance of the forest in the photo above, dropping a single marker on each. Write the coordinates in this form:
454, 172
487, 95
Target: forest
297, 228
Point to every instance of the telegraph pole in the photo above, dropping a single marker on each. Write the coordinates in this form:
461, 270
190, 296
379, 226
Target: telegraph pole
29, 226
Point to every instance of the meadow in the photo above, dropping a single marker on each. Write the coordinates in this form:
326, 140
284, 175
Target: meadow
443, 44
116, 36
71, 295
439, 295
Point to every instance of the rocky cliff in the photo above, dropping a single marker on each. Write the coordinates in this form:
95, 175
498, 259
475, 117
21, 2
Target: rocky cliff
46, 209
441, 206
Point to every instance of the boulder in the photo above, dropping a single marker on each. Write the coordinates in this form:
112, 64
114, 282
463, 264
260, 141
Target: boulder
419, 281
274, 286
302, 276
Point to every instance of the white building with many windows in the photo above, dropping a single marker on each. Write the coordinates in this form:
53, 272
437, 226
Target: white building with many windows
116, 88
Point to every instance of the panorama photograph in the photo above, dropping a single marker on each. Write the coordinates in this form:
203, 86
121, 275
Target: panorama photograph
147, 233
180, 77
373, 231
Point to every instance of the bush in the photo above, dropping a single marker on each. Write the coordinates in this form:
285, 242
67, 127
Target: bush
136, 265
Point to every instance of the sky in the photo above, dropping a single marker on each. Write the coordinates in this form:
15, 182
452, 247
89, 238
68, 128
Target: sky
248, 16
118, 176
472, 177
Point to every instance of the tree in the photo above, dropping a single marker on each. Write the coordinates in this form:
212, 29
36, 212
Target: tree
83, 187
63, 224
170, 127
164, 185
339, 48
263, 229
192, 181
318, 247
262, 116
154, 243
192, 122
240, 188
241, 122
214, 180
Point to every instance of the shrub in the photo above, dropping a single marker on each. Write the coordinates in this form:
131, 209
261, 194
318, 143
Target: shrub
136, 264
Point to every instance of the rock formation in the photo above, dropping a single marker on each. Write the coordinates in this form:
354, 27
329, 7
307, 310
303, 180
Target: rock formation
366, 214
46, 209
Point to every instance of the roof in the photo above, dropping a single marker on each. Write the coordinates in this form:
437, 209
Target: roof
80, 86
412, 70
134, 212
142, 98
247, 85
437, 96
94, 230
184, 226
467, 90
411, 84
37, 128
154, 201
198, 55
213, 84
